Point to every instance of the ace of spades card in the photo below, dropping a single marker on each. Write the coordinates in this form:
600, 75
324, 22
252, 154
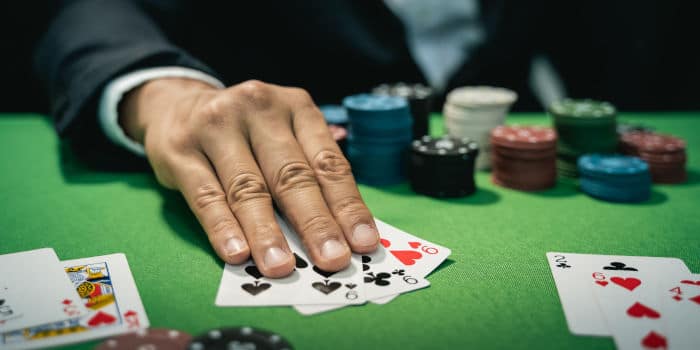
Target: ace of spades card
244, 285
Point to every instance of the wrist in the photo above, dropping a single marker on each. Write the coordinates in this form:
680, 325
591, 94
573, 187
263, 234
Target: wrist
152, 99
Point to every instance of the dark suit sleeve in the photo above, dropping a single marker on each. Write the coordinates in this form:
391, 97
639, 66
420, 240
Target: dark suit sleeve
90, 42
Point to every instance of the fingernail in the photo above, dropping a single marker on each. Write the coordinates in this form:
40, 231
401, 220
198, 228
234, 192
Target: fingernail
275, 257
332, 249
364, 235
234, 246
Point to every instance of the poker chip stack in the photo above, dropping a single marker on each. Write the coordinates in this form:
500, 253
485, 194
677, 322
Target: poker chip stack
614, 178
665, 154
152, 338
472, 111
524, 157
443, 167
420, 98
239, 338
583, 126
379, 136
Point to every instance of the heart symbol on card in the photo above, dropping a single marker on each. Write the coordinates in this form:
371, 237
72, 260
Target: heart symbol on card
629, 283
696, 283
414, 245
407, 257
654, 340
385, 243
602, 283
257, 288
326, 288
253, 271
325, 274
639, 310
101, 318
695, 299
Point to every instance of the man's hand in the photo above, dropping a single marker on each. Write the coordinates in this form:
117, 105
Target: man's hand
232, 152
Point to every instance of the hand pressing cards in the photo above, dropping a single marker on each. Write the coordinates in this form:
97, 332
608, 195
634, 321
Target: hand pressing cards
643, 302
99, 294
399, 265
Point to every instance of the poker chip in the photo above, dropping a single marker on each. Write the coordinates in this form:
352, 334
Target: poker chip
378, 137
335, 114
473, 111
239, 338
583, 127
665, 154
523, 157
443, 167
340, 136
420, 99
615, 178
152, 339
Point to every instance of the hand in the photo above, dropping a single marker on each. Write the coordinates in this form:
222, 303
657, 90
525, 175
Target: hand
232, 151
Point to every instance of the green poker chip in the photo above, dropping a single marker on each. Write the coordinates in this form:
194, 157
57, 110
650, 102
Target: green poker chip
583, 110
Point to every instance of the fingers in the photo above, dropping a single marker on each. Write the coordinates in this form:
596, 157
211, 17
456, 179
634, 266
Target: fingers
333, 173
247, 195
203, 193
293, 184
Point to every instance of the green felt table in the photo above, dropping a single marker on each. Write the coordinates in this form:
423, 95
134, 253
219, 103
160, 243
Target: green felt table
495, 291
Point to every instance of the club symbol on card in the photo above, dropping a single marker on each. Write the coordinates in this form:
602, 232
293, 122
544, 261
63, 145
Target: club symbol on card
640, 310
399, 272
654, 340
299, 262
253, 271
379, 279
325, 274
326, 287
365, 260
618, 266
629, 283
256, 287
563, 265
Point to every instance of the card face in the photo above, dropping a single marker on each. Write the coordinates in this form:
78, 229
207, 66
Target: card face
27, 300
244, 285
107, 289
680, 299
572, 276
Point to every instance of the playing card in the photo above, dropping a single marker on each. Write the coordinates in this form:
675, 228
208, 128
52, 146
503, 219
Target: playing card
107, 289
572, 273
36, 290
399, 265
680, 301
627, 295
244, 285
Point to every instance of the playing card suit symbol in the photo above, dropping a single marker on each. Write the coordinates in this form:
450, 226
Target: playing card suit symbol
414, 245
602, 283
2, 301
325, 274
299, 262
654, 340
326, 288
351, 285
101, 318
695, 299
639, 310
407, 257
255, 289
676, 298
629, 283
254, 272
697, 283
385, 243
619, 267
67, 301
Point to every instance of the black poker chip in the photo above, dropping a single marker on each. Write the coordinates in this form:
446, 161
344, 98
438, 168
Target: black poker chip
420, 99
239, 338
443, 167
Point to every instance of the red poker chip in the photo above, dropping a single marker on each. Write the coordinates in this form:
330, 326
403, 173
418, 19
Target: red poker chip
652, 142
524, 137
152, 339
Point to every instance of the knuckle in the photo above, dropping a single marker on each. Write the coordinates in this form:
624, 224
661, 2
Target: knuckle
216, 112
322, 228
302, 97
207, 195
223, 225
246, 187
294, 176
352, 208
332, 166
255, 93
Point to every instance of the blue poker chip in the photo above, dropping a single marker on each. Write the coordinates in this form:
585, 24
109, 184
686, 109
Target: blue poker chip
334, 114
615, 165
374, 103
615, 193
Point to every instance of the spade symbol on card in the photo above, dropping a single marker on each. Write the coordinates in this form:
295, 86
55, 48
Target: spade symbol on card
407, 257
254, 272
256, 288
351, 285
325, 287
365, 260
325, 274
299, 262
618, 266
101, 318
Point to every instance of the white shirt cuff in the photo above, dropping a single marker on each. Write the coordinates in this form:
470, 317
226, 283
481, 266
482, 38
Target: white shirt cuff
108, 111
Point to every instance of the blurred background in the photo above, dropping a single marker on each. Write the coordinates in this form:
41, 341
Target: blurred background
640, 55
